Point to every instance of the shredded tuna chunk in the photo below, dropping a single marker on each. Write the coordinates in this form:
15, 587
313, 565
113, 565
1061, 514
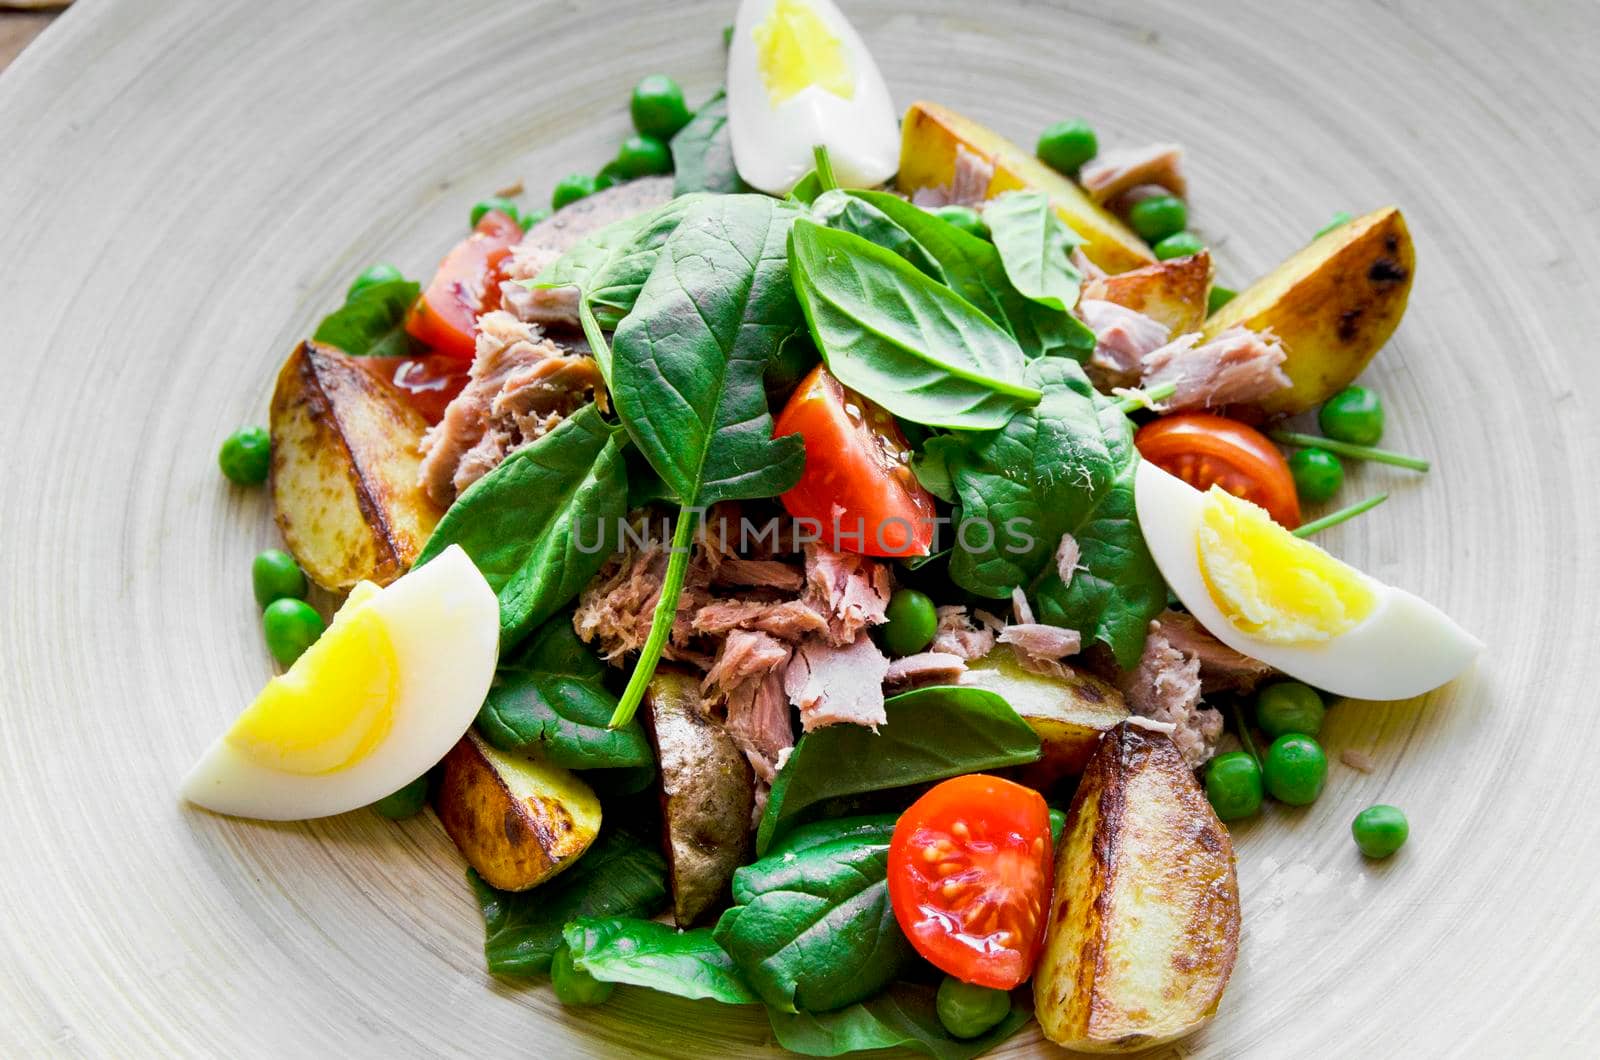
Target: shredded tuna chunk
1041, 641
1221, 668
759, 573
957, 635
744, 654
969, 183
788, 620
1238, 365
837, 685
1165, 687
925, 668
521, 385
850, 591
1086, 268
747, 680
1067, 555
616, 609
1115, 172
1123, 338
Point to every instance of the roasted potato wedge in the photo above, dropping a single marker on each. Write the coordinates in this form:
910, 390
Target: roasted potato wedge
1069, 714
1144, 925
1171, 292
707, 795
930, 136
1333, 305
344, 471
517, 819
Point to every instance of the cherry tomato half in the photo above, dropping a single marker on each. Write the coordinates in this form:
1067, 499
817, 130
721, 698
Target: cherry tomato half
429, 382
858, 484
1206, 450
970, 874
466, 285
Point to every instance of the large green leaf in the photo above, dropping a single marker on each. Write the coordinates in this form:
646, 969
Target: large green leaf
902, 339
905, 1016
524, 522
1035, 247
930, 734
702, 152
657, 956
372, 323
851, 213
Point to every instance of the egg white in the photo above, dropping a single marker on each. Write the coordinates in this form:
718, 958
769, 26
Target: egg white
772, 146
1404, 648
444, 622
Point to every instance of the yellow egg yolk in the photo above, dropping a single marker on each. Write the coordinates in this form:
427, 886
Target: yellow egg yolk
334, 705
795, 50
1274, 585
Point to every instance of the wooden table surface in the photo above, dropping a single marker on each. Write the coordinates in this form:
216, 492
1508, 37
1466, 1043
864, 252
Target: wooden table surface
18, 28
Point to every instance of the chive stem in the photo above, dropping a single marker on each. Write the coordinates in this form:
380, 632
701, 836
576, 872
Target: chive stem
661, 622
1134, 400
1355, 452
1335, 518
825, 178
1244, 734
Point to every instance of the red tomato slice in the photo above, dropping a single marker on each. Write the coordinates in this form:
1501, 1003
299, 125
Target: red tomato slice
1206, 450
466, 285
429, 383
970, 874
858, 485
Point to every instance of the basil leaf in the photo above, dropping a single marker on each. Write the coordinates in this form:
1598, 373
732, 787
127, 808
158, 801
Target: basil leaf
541, 524
930, 734
620, 875
657, 956
702, 152
1066, 466
905, 1016
901, 339
845, 212
1035, 248
814, 928
373, 323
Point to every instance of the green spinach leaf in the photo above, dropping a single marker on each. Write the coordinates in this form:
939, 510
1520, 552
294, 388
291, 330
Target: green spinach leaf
901, 339
620, 875
904, 1016
373, 323
657, 956
523, 523
813, 928
850, 213
930, 734
1035, 247
1066, 466
702, 152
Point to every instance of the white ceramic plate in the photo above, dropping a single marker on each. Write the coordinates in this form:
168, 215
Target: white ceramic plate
186, 187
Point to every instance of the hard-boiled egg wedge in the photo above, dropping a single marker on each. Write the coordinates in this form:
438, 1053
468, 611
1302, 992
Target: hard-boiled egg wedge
383, 695
1262, 591
798, 76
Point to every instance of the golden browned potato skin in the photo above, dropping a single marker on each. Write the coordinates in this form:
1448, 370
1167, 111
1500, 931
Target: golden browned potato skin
1069, 714
1332, 305
1171, 292
517, 820
344, 471
930, 135
707, 795
1144, 924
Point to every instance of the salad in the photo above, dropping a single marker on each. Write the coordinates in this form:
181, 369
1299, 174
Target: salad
836, 561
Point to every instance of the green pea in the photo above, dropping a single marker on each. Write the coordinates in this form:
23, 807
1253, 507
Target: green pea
1158, 217
407, 802
1067, 145
1295, 769
1317, 475
291, 627
912, 622
1354, 415
572, 986
528, 218
1339, 220
968, 1010
643, 156
500, 203
1058, 824
246, 455
1289, 706
965, 218
658, 108
569, 190
1219, 297
1178, 245
609, 176
274, 575
1233, 784
1380, 830
373, 276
